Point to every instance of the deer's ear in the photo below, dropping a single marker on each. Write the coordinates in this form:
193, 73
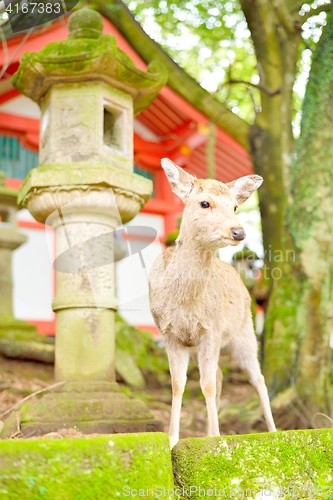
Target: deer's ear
180, 181
242, 188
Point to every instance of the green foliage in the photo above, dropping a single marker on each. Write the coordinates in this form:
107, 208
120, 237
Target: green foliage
211, 41
171, 237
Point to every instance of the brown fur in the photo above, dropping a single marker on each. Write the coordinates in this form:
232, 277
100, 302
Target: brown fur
198, 302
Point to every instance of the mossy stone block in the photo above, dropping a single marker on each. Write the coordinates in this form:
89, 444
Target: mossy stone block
288, 465
97, 468
86, 19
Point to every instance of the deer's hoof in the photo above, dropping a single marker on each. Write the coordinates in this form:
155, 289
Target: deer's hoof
173, 441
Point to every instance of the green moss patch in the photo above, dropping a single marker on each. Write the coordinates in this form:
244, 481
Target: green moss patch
142, 348
92, 468
288, 465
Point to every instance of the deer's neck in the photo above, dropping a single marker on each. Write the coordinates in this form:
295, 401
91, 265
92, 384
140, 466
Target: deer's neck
193, 269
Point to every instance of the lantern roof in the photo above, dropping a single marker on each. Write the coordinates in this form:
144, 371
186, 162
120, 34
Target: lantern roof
88, 54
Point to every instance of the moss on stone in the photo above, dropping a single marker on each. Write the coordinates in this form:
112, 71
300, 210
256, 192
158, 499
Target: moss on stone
84, 469
30, 350
85, 18
19, 339
292, 464
84, 173
16, 329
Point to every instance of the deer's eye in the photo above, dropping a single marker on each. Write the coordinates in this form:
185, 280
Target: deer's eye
235, 208
205, 204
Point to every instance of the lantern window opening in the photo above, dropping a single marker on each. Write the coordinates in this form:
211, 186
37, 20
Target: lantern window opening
6, 216
113, 128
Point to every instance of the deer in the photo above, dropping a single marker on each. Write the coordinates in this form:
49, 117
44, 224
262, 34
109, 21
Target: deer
199, 303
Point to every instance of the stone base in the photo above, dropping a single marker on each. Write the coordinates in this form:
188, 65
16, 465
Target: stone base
271, 465
16, 328
20, 340
86, 468
90, 407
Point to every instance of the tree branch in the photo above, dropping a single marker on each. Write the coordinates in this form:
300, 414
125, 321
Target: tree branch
117, 12
284, 16
327, 7
262, 88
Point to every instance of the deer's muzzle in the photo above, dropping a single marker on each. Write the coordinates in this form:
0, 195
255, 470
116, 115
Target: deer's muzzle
238, 234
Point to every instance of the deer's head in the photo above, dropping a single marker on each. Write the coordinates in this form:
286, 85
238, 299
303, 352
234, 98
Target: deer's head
209, 216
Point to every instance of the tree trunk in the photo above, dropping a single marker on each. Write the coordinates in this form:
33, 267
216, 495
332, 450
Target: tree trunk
273, 153
310, 222
301, 304
271, 137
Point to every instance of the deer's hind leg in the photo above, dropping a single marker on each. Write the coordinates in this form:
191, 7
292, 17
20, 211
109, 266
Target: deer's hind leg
178, 356
244, 349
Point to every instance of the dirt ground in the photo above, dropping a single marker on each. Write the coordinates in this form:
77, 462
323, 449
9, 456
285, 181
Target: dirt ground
19, 379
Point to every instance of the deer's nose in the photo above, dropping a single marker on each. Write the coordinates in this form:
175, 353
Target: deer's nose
237, 233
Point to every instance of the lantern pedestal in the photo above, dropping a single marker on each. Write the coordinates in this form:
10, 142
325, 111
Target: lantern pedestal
88, 91
91, 407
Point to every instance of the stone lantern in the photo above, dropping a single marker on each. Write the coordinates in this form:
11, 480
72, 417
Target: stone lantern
88, 92
18, 339
10, 239
11, 329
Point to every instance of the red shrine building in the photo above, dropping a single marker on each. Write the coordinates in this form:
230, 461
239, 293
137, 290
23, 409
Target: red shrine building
169, 127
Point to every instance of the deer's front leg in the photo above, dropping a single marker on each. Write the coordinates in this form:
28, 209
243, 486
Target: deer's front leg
178, 363
208, 356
